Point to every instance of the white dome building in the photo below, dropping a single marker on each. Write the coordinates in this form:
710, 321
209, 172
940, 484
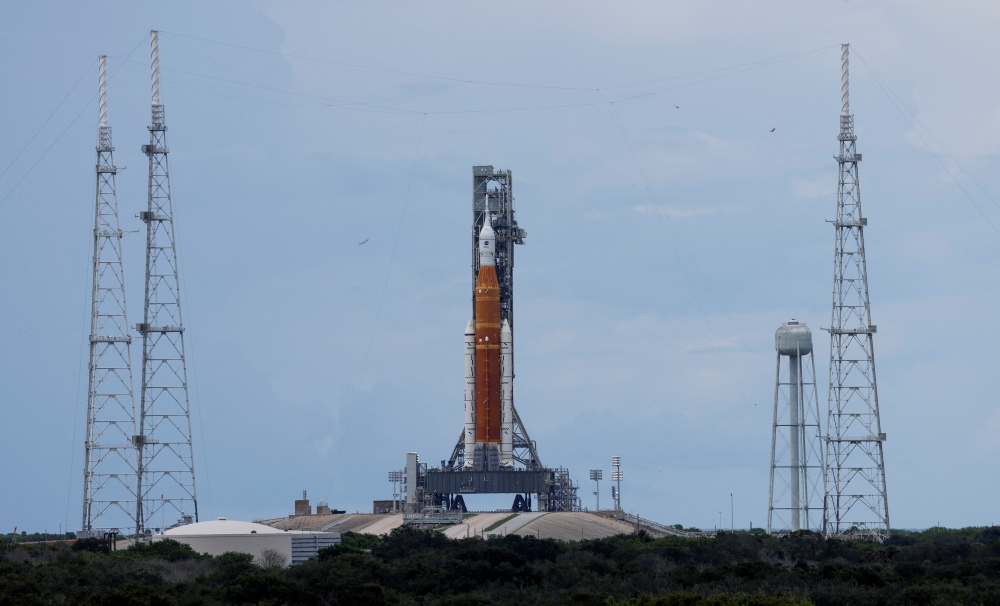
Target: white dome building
217, 537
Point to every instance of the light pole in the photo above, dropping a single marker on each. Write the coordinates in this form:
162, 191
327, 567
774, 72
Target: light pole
597, 475
617, 476
732, 524
395, 477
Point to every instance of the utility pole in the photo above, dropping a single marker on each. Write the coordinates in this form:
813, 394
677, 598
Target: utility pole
109, 474
597, 475
166, 454
856, 501
617, 476
396, 477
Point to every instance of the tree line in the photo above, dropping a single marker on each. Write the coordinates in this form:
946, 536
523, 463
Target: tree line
408, 566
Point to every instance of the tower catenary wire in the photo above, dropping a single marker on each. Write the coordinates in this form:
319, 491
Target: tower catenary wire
166, 455
110, 465
856, 502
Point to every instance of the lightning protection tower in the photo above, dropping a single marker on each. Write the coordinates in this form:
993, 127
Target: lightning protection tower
856, 502
109, 473
166, 455
795, 494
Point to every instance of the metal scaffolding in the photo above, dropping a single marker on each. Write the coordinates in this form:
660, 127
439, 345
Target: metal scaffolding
166, 455
109, 473
856, 503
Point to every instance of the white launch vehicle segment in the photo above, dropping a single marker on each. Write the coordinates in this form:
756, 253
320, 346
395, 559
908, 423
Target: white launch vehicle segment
470, 394
487, 244
507, 396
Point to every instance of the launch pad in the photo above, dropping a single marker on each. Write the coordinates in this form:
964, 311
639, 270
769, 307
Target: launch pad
493, 453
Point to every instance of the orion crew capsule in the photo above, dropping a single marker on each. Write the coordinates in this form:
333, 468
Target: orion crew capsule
488, 369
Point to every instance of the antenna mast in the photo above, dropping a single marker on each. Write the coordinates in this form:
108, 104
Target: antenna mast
856, 504
166, 456
109, 474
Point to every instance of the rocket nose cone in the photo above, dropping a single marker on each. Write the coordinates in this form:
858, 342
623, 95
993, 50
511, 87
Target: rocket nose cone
487, 230
470, 328
505, 328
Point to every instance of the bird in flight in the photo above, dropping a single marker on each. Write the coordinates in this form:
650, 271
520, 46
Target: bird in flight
677, 106
772, 130
366, 239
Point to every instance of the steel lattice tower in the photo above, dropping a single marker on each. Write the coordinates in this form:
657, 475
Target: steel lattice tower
796, 487
856, 502
109, 474
166, 455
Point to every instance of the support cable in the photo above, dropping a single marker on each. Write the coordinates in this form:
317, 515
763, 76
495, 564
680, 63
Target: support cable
49, 148
378, 311
670, 239
748, 67
486, 82
898, 105
82, 76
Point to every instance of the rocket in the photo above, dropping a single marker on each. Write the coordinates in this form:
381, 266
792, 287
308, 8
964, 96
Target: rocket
489, 403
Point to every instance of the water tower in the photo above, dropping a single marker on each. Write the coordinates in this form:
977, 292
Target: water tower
796, 489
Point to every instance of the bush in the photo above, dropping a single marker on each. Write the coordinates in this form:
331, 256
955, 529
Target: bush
167, 549
92, 545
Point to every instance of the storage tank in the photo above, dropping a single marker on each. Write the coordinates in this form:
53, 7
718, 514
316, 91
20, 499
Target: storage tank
793, 339
794, 437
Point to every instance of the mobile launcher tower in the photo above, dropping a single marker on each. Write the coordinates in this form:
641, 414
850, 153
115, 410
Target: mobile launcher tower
493, 454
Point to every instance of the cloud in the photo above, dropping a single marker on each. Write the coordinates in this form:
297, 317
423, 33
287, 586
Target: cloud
597, 216
813, 188
989, 436
652, 209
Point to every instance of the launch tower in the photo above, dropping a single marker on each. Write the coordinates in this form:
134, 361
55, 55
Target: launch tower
109, 473
494, 453
796, 492
166, 456
856, 502
493, 205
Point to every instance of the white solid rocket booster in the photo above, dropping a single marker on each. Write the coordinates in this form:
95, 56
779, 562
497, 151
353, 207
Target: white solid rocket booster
470, 394
506, 396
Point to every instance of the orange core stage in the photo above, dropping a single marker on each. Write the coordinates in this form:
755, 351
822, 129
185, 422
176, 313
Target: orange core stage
488, 404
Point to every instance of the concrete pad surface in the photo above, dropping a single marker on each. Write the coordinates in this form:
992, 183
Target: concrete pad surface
475, 525
572, 526
513, 525
384, 525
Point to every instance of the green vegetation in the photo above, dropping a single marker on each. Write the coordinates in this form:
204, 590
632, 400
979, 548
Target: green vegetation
501, 522
937, 566
24, 537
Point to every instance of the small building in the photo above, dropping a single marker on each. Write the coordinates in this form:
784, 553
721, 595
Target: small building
220, 536
387, 506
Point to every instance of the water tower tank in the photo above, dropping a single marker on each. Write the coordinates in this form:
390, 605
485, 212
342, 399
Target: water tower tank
793, 339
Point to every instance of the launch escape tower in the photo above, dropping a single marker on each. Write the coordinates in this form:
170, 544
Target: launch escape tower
482, 462
856, 503
795, 493
110, 466
166, 455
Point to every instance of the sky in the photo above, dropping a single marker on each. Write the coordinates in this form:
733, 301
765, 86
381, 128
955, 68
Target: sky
670, 232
